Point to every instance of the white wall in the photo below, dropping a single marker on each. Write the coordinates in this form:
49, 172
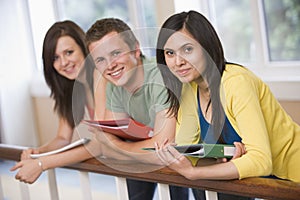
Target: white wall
16, 68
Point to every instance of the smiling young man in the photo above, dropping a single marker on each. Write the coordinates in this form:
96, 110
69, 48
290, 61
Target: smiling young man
135, 89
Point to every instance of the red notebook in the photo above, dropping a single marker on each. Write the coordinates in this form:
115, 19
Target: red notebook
124, 128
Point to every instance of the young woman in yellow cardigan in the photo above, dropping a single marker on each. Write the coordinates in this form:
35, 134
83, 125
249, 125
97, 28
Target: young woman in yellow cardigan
207, 94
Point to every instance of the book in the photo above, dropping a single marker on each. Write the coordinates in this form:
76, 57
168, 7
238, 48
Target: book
205, 150
124, 128
110, 123
67, 147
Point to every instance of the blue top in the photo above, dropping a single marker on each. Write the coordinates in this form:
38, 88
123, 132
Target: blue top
228, 133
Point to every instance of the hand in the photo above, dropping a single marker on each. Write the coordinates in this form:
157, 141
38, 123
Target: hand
29, 170
26, 153
239, 150
173, 159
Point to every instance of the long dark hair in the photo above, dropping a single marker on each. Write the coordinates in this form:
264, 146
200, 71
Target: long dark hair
202, 31
61, 87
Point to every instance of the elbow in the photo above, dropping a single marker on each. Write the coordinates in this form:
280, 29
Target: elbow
267, 168
253, 165
62, 141
265, 165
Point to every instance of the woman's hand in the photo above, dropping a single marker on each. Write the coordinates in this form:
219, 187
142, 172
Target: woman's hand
239, 151
26, 153
174, 160
29, 170
179, 163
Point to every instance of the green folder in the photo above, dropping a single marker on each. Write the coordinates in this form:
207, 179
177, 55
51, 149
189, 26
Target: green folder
205, 150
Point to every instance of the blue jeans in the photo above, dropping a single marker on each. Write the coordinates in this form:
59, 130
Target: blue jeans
142, 190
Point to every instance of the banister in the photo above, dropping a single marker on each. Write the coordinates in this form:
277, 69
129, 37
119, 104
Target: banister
10, 152
253, 187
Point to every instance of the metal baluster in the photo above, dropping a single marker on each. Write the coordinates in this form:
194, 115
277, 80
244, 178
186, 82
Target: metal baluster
85, 185
163, 191
52, 184
122, 192
24, 191
210, 195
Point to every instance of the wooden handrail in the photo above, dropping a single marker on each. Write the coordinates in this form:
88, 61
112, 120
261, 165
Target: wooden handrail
252, 187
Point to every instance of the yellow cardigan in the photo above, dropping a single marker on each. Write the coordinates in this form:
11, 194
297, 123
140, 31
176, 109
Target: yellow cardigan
271, 138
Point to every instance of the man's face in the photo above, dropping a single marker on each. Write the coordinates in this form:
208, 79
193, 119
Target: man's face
114, 59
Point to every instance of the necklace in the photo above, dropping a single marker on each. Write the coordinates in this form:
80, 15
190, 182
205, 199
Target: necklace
208, 104
205, 98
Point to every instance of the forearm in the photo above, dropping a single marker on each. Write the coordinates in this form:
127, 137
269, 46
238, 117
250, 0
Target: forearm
222, 171
56, 143
114, 151
117, 148
133, 147
63, 137
71, 156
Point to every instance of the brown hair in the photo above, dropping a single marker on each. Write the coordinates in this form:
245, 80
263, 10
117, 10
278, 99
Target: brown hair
61, 87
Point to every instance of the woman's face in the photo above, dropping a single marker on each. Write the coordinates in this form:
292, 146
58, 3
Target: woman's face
68, 57
184, 56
